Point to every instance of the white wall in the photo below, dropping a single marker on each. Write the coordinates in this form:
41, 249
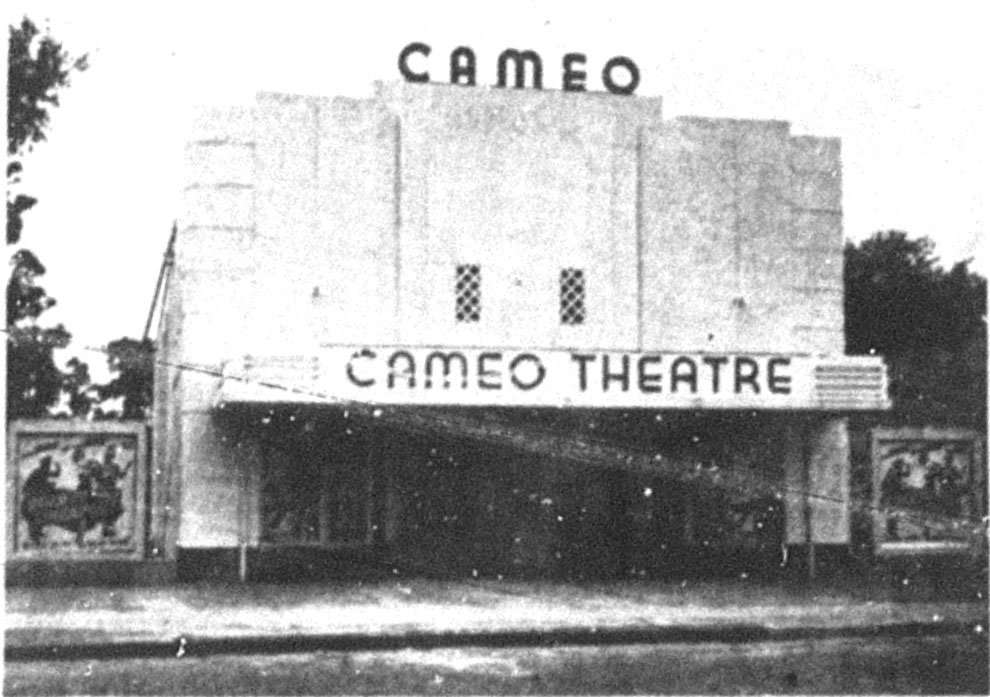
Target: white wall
315, 221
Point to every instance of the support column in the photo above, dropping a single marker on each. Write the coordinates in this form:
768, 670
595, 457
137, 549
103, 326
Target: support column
817, 496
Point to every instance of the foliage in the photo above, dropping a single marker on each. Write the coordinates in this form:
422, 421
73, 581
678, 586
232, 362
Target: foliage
34, 382
928, 323
26, 300
133, 364
81, 395
37, 69
17, 204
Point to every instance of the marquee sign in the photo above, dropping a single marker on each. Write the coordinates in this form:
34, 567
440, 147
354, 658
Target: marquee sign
558, 378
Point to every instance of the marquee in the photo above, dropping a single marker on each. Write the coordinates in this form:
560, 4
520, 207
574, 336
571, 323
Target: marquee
402, 375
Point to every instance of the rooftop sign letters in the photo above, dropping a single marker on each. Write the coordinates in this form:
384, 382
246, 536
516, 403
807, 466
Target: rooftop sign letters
619, 75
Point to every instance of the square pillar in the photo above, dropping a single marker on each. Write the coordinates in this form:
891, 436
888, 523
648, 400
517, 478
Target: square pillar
817, 465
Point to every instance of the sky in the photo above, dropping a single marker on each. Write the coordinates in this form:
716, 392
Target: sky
901, 85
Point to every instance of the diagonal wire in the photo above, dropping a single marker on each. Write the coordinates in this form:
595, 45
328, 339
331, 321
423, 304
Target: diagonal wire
580, 448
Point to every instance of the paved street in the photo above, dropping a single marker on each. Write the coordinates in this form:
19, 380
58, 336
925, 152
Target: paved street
466, 637
946, 665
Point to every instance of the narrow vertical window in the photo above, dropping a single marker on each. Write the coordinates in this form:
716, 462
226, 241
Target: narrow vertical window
572, 296
467, 290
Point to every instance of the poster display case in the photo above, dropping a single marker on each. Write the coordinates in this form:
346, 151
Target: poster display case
76, 490
928, 488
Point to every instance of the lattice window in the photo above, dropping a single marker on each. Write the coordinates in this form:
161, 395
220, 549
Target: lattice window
467, 305
572, 297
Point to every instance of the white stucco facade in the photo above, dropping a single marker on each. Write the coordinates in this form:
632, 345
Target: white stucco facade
317, 228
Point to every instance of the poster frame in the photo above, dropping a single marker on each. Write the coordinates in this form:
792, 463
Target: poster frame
18, 430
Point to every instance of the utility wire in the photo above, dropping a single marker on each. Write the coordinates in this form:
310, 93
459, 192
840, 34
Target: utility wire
581, 448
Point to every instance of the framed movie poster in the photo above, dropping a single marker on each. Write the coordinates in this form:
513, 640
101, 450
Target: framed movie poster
75, 490
927, 490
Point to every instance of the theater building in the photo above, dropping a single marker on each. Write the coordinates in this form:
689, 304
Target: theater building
491, 332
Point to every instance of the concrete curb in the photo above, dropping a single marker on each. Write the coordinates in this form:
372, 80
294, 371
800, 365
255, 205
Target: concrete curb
31, 645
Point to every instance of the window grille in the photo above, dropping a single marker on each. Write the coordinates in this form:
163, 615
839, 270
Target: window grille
467, 288
572, 297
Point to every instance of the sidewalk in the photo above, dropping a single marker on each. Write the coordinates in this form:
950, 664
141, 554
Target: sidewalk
46, 622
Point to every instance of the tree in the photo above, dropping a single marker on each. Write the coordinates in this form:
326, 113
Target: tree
133, 364
34, 382
928, 323
26, 300
81, 395
37, 70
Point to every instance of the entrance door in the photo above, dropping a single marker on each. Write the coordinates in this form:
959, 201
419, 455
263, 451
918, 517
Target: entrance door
317, 489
